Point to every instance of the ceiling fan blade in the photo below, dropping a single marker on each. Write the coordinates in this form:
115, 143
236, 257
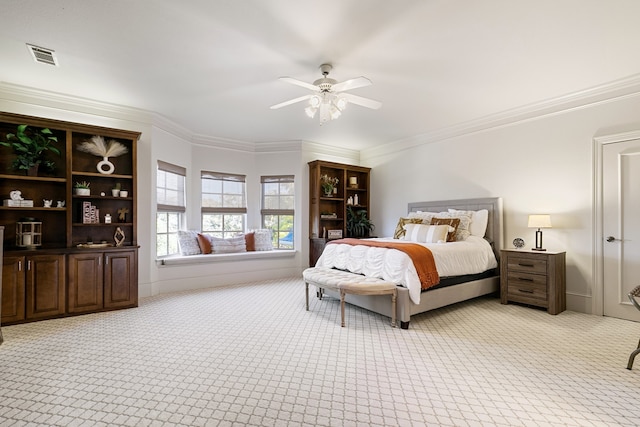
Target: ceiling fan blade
289, 102
300, 83
351, 84
364, 102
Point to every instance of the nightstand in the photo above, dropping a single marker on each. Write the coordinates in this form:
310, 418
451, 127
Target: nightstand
534, 278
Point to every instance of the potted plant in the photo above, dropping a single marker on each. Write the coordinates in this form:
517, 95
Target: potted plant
329, 184
358, 225
115, 191
82, 188
30, 147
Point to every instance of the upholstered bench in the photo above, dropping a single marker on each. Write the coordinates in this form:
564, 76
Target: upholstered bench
348, 283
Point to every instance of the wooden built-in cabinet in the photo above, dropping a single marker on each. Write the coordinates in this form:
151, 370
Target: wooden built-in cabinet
329, 212
64, 275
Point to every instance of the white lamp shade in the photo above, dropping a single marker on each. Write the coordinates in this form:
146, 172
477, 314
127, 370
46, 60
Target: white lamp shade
539, 221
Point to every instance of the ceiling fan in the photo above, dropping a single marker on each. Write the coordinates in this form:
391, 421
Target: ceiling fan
328, 95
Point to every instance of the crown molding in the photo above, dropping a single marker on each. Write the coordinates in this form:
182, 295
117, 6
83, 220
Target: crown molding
330, 150
72, 104
278, 146
224, 143
629, 86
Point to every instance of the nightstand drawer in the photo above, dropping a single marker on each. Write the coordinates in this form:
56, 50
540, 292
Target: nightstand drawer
517, 287
528, 264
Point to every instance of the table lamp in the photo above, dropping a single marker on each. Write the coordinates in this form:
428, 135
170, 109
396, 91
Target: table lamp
539, 221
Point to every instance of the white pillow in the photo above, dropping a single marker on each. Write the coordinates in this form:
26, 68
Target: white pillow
479, 221
188, 242
263, 240
227, 246
423, 233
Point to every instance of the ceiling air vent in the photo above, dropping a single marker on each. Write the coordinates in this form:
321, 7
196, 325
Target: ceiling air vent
42, 55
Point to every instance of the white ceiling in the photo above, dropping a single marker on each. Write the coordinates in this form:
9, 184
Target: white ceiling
212, 66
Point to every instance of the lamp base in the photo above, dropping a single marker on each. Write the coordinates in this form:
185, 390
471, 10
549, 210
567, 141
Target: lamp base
538, 249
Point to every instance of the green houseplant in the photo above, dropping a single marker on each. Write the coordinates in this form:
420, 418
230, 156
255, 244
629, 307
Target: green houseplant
358, 225
82, 188
30, 147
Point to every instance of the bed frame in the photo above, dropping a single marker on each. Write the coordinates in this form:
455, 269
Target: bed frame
441, 297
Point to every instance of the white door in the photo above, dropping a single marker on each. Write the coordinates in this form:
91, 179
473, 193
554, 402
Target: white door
621, 226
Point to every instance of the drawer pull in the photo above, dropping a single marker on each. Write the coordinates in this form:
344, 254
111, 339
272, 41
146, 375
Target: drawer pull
525, 279
526, 291
525, 265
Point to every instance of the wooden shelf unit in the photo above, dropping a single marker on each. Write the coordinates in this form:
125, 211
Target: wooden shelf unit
320, 204
63, 229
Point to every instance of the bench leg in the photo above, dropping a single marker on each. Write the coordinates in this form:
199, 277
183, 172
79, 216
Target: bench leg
394, 299
306, 288
342, 295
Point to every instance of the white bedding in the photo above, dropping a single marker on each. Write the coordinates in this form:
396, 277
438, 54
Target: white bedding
471, 256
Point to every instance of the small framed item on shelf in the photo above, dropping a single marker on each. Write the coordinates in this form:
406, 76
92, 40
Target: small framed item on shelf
334, 234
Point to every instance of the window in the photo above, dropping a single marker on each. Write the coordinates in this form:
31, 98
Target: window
170, 199
224, 204
278, 200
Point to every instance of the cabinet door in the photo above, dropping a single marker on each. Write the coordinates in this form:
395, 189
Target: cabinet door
121, 279
13, 303
84, 282
45, 284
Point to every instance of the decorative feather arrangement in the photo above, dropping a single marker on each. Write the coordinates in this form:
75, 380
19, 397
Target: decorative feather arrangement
98, 147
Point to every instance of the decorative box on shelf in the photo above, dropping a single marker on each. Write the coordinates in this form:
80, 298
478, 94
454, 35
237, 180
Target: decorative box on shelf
17, 203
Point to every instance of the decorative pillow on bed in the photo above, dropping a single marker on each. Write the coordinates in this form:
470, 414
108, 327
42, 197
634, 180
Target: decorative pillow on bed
462, 231
400, 231
423, 233
479, 220
227, 246
424, 216
453, 222
188, 242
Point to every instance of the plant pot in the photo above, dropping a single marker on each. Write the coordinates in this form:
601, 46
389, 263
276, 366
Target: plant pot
115, 192
82, 191
124, 193
33, 170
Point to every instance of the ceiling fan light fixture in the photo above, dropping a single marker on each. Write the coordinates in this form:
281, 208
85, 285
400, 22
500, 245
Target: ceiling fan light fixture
314, 101
311, 111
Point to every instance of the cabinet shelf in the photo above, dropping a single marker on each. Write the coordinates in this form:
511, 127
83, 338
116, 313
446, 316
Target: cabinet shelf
35, 208
98, 197
32, 178
101, 175
103, 224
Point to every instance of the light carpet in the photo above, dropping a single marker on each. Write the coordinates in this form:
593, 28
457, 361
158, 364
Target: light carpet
251, 355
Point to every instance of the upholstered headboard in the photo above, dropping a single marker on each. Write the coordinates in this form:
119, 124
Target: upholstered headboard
492, 204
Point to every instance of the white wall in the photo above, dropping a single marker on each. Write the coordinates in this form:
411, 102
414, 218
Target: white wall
542, 165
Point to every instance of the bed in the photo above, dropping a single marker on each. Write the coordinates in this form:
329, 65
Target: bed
452, 289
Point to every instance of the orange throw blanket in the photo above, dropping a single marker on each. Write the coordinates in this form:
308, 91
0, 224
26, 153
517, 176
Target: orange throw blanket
421, 256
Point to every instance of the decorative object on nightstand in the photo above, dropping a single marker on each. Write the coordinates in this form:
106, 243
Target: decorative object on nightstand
539, 221
518, 243
534, 278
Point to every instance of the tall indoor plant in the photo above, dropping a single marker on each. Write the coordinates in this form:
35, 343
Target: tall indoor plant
358, 225
30, 147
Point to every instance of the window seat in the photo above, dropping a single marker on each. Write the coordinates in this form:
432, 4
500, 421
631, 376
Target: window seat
238, 256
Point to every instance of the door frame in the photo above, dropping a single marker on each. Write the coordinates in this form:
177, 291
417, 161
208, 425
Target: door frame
597, 292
